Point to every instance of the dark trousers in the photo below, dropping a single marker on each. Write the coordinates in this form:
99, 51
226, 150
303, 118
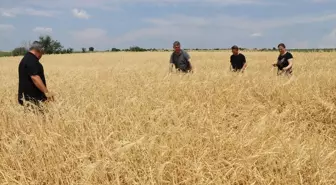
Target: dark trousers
183, 70
32, 105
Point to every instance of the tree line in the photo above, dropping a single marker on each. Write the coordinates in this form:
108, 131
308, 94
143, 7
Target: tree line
55, 47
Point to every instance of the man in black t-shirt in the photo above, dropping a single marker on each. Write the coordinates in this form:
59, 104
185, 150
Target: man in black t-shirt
285, 61
237, 60
32, 83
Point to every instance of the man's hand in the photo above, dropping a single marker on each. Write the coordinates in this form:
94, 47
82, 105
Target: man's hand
274, 65
50, 96
171, 67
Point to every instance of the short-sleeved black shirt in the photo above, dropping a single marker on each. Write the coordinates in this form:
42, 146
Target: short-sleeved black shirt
237, 61
28, 67
283, 60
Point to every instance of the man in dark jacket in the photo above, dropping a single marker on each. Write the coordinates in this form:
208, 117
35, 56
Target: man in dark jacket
180, 59
32, 83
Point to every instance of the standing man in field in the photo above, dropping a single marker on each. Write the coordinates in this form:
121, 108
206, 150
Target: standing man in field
237, 60
285, 61
32, 83
180, 59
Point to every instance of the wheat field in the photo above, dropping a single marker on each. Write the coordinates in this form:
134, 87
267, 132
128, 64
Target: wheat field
120, 118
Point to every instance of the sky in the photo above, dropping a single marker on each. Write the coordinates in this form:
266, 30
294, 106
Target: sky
104, 24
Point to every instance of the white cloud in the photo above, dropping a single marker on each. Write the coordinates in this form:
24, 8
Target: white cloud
6, 27
13, 12
81, 14
7, 14
256, 35
42, 30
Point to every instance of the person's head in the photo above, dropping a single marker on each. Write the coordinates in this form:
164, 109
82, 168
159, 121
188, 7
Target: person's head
37, 49
282, 48
235, 50
177, 46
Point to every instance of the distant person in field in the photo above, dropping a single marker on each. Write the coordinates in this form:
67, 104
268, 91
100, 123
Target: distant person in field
237, 60
180, 59
285, 61
32, 83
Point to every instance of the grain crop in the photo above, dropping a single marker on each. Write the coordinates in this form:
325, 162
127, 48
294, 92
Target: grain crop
121, 118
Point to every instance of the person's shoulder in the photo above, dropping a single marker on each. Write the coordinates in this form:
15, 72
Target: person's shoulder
25, 57
241, 54
30, 56
184, 51
289, 54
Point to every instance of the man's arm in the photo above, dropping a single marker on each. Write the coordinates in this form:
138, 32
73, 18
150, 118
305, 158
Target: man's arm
171, 64
39, 84
189, 60
191, 67
230, 69
33, 73
245, 64
290, 64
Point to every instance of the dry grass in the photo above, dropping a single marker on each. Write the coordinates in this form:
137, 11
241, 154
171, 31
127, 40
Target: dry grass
120, 119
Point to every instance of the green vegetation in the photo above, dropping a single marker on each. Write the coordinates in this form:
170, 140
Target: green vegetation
55, 47
5, 54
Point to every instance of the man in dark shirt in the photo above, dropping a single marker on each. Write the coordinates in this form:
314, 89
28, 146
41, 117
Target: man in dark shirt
32, 83
180, 59
237, 60
285, 61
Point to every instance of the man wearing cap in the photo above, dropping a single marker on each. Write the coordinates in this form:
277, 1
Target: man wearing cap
32, 83
180, 59
237, 60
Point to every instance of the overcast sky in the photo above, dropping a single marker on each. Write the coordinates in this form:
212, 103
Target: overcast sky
104, 24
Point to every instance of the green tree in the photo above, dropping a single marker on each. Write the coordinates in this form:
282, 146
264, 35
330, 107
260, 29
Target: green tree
83, 50
50, 46
137, 49
91, 49
115, 49
19, 51
70, 50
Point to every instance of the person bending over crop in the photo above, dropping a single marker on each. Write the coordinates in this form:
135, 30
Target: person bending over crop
180, 59
237, 60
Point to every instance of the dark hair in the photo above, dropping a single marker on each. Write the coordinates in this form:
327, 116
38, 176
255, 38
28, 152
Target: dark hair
282, 45
234, 47
176, 43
